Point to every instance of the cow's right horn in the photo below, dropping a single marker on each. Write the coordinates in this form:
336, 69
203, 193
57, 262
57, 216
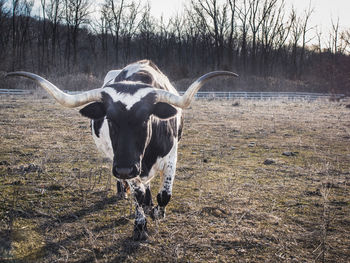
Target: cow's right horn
63, 98
185, 100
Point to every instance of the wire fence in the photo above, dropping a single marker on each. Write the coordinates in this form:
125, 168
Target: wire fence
212, 95
265, 95
15, 92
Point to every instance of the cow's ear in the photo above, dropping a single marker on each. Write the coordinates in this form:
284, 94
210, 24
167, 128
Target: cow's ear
164, 110
94, 110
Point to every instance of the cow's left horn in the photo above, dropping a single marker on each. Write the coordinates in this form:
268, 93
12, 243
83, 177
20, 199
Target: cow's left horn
63, 98
185, 100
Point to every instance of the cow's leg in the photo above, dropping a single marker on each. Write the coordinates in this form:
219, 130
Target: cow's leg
120, 190
123, 189
166, 187
140, 226
147, 202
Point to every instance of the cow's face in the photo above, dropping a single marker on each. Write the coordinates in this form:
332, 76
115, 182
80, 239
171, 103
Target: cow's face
130, 129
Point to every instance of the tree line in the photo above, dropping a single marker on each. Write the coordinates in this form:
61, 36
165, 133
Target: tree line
260, 39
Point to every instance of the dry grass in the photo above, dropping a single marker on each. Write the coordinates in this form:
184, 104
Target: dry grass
57, 198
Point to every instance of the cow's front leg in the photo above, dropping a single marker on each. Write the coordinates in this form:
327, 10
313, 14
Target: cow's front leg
147, 202
165, 190
123, 189
140, 226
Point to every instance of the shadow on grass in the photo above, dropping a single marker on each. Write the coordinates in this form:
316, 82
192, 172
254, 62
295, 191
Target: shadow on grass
124, 249
128, 248
52, 248
75, 216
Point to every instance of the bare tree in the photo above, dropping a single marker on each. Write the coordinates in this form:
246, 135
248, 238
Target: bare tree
259, 12
299, 29
21, 11
305, 30
15, 4
101, 28
4, 32
213, 19
296, 34
181, 38
334, 37
54, 12
188, 36
146, 30
43, 41
232, 32
333, 47
274, 33
130, 23
345, 37
76, 14
120, 19
113, 12
318, 33
243, 15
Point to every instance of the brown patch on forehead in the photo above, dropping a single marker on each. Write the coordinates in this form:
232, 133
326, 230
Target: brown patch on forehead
142, 76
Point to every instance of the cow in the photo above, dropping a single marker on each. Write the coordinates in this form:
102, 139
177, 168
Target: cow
136, 121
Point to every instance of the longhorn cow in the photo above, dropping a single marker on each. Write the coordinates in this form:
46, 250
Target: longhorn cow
136, 121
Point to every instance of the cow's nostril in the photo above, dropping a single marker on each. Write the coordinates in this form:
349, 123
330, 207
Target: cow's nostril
124, 171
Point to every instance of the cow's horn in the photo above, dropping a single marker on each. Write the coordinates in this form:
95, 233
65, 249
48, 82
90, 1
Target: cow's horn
185, 100
63, 98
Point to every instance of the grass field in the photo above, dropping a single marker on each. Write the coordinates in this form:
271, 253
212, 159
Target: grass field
236, 197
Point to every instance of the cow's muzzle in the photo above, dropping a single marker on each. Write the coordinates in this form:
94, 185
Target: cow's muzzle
125, 172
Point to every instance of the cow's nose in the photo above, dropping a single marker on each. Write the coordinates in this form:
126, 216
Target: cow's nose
124, 171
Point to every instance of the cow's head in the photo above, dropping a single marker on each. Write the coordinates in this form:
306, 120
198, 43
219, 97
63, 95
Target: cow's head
129, 122
128, 114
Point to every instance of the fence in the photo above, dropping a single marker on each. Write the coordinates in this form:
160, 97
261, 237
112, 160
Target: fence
265, 95
225, 94
15, 91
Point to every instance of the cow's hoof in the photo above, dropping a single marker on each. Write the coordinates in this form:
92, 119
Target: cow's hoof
122, 196
140, 231
148, 210
158, 213
140, 235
